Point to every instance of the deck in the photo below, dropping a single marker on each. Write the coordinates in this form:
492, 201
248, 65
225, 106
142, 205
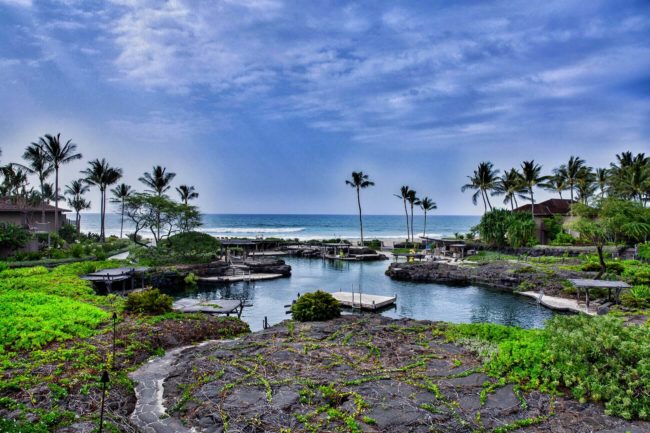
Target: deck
219, 306
240, 277
363, 301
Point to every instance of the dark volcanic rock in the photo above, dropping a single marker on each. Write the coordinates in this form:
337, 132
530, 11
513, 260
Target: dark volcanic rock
499, 275
374, 373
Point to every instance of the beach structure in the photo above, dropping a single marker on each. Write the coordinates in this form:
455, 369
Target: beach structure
363, 301
443, 247
214, 307
543, 212
117, 278
586, 285
346, 252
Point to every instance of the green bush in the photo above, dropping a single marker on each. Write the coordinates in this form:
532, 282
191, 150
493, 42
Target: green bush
149, 301
13, 236
76, 250
315, 306
612, 267
636, 297
191, 279
595, 358
563, 239
644, 251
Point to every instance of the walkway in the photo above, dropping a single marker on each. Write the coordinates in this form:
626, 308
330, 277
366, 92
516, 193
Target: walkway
561, 304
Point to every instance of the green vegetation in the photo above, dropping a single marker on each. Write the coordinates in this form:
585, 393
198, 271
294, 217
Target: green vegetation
595, 358
149, 301
13, 237
315, 306
500, 227
188, 247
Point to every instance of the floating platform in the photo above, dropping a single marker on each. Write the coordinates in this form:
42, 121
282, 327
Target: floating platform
363, 301
240, 277
560, 304
219, 306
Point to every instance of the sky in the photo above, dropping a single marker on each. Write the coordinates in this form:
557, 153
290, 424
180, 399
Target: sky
267, 106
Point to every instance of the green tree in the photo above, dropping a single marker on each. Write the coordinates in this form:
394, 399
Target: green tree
571, 171
359, 181
121, 192
38, 164
602, 179
102, 175
427, 205
586, 184
187, 193
413, 200
158, 180
509, 185
58, 154
76, 189
531, 177
483, 181
557, 183
403, 195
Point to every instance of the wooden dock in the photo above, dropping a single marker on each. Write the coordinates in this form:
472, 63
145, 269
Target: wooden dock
363, 301
240, 277
219, 306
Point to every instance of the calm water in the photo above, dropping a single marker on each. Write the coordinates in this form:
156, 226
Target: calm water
418, 301
306, 226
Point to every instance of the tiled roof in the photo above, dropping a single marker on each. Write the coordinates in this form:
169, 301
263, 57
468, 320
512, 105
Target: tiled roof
554, 206
8, 205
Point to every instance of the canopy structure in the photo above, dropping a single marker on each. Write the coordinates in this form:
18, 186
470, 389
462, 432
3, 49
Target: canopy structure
586, 285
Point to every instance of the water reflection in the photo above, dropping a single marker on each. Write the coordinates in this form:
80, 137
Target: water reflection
418, 301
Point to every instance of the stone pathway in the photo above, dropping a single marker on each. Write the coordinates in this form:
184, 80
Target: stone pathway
149, 413
120, 256
561, 304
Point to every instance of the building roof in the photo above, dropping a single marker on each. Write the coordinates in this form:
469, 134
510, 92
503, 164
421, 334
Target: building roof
8, 205
554, 206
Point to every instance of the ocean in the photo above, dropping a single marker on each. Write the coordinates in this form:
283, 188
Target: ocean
306, 226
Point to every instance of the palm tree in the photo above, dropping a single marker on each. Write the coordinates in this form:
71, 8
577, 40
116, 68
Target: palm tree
403, 195
359, 181
158, 180
14, 183
602, 179
483, 180
427, 205
586, 184
571, 171
187, 193
58, 155
509, 185
102, 175
530, 178
120, 193
76, 190
39, 165
557, 183
413, 200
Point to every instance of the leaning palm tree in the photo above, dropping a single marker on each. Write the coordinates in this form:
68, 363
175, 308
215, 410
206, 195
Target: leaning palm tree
508, 185
158, 180
557, 182
483, 180
76, 189
571, 172
426, 204
586, 184
602, 179
58, 154
359, 181
38, 164
531, 177
120, 193
102, 175
187, 193
14, 183
413, 200
403, 195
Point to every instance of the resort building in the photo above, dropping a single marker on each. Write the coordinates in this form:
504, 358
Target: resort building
544, 211
28, 215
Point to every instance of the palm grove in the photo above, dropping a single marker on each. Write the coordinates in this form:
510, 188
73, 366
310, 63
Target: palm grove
608, 205
34, 182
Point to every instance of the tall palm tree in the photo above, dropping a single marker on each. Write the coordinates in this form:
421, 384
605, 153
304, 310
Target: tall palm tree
602, 179
158, 180
38, 164
483, 180
359, 181
102, 175
586, 184
14, 183
530, 178
413, 200
571, 170
76, 189
120, 193
187, 193
403, 195
58, 154
509, 185
427, 205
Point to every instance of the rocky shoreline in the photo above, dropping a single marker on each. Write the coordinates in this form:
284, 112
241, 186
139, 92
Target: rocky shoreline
498, 275
370, 374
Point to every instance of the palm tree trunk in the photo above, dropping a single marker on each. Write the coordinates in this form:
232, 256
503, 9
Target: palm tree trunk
412, 231
424, 232
360, 219
42, 204
102, 235
487, 197
406, 211
512, 204
56, 199
560, 192
78, 222
532, 204
122, 219
484, 203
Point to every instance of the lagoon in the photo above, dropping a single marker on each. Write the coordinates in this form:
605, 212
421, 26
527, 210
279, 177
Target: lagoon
423, 301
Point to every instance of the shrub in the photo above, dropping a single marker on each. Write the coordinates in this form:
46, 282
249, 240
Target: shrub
13, 236
315, 306
636, 297
521, 230
76, 250
149, 301
563, 239
191, 279
644, 251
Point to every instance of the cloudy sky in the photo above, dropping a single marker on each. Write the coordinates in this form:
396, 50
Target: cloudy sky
267, 106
